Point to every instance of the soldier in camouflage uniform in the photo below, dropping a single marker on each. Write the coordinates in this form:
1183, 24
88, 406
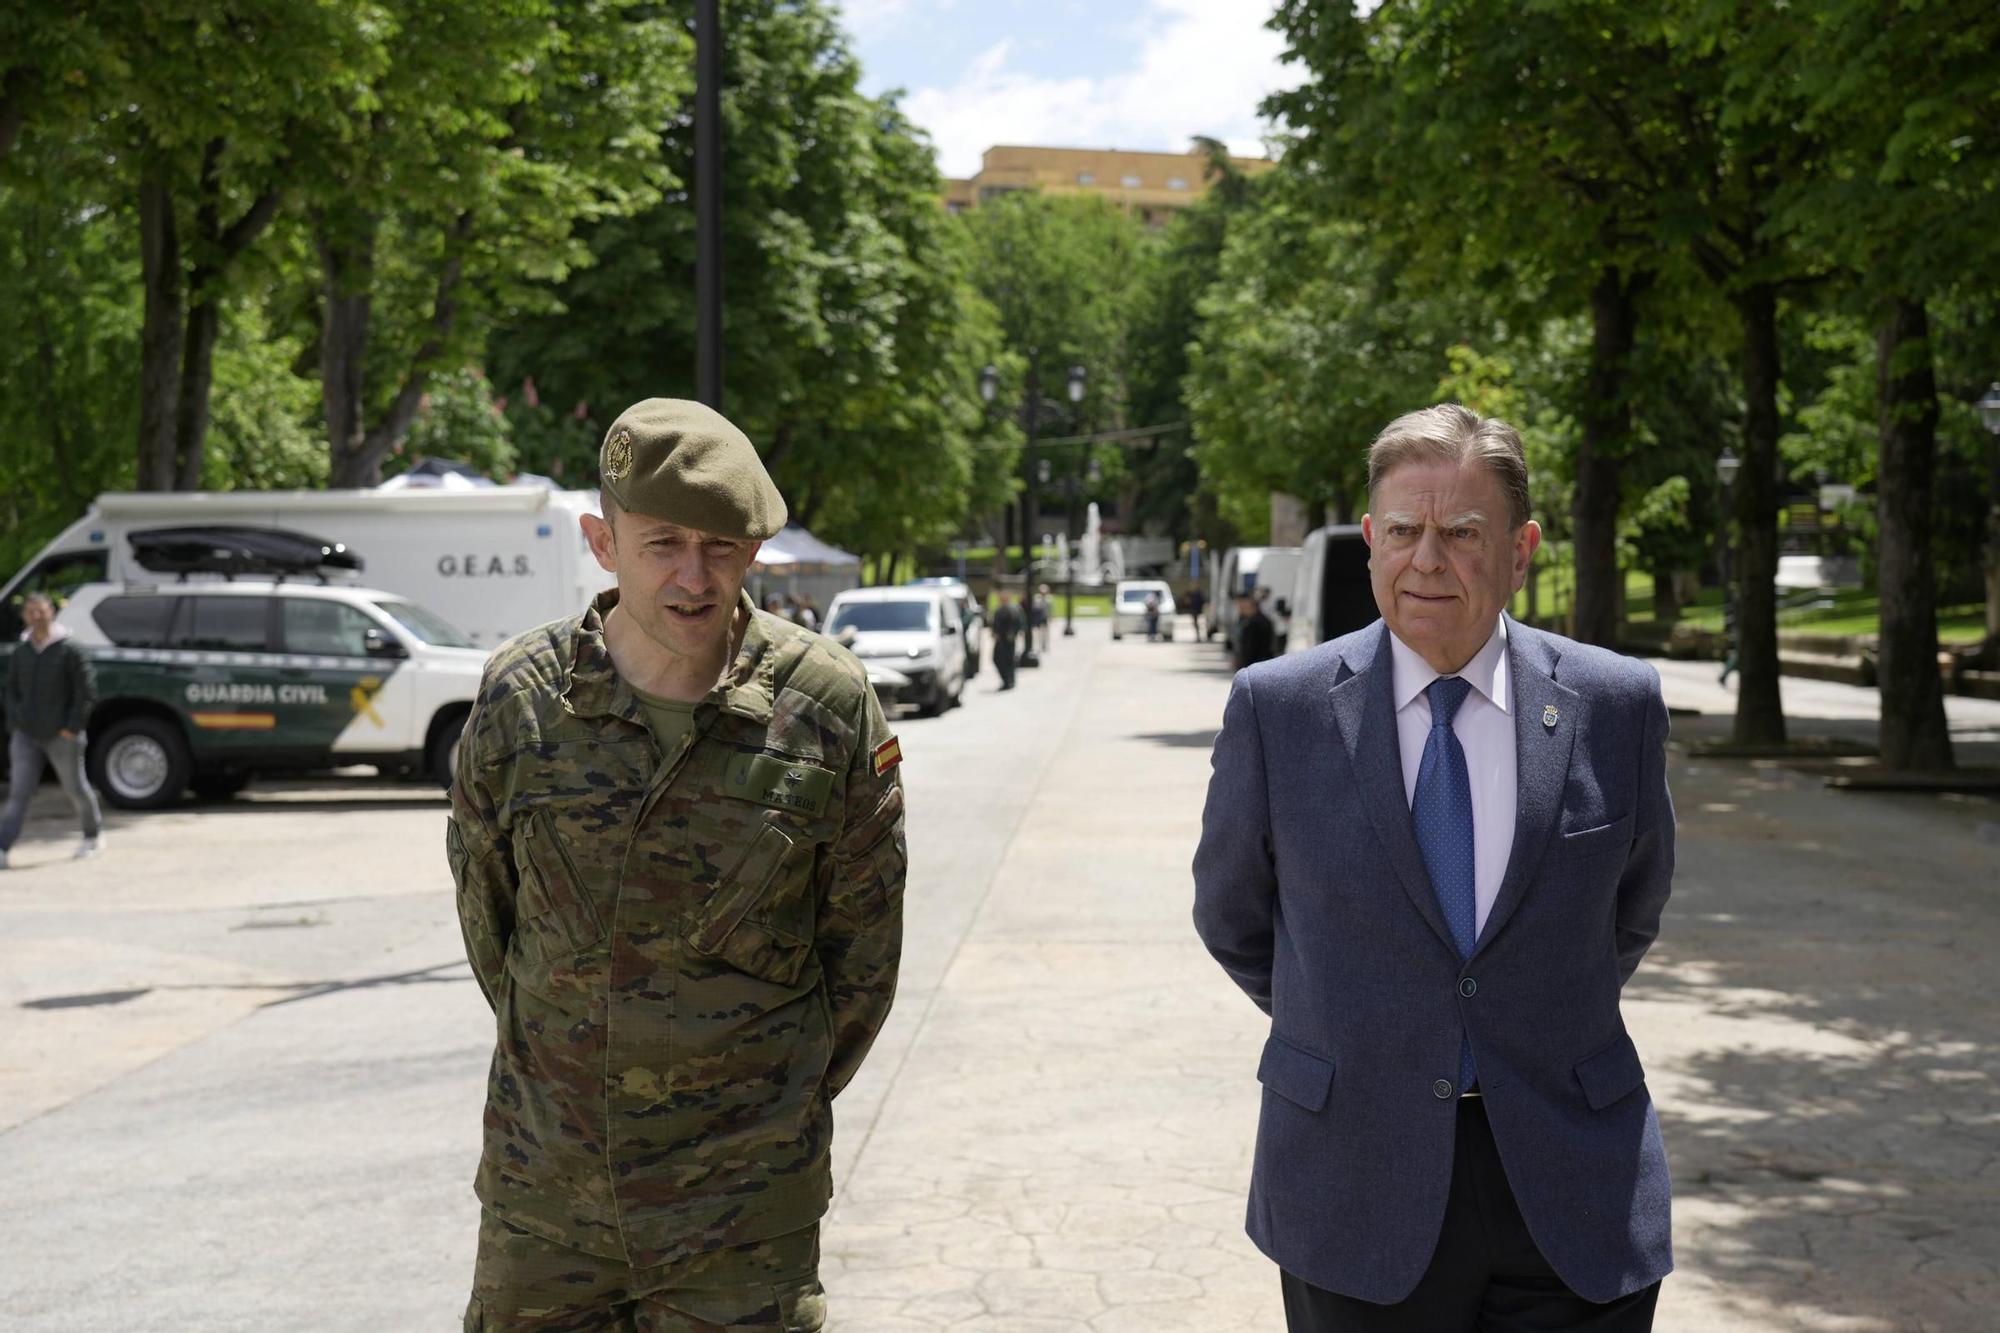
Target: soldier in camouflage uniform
677, 834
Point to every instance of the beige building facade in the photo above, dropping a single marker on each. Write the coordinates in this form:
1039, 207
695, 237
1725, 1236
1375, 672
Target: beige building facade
1154, 186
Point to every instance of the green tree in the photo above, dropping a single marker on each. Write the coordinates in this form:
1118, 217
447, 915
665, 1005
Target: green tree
1064, 275
853, 337
454, 180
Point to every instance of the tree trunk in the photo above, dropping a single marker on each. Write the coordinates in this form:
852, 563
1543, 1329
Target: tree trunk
1606, 438
347, 269
216, 248
16, 85
1913, 734
358, 450
1760, 710
1666, 597
204, 323
160, 337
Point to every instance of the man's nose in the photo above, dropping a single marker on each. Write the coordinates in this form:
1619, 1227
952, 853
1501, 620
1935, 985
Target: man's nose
1430, 551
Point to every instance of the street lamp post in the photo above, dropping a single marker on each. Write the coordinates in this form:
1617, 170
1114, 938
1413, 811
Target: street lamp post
1726, 468
1076, 380
708, 203
1989, 414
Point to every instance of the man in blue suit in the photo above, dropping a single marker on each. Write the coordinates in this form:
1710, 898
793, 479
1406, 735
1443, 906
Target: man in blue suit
1433, 852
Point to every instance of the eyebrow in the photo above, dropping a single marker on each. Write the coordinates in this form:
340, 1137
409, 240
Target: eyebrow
1456, 520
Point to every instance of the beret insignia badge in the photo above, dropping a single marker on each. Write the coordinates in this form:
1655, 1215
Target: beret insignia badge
618, 455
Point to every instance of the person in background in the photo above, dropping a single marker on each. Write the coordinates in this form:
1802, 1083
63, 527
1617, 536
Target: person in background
1007, 623
1256, 637
1196, 600
50, 690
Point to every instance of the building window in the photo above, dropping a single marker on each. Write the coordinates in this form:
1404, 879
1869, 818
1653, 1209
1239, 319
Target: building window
1176, 183
1085, 178
1129, 182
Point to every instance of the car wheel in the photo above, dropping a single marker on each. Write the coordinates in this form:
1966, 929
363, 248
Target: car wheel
218, 786
141, 763
441, 755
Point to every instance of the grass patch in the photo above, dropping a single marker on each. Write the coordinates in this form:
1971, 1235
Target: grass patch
1849, 611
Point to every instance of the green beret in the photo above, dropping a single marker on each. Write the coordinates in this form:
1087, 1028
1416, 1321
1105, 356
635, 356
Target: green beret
677, 460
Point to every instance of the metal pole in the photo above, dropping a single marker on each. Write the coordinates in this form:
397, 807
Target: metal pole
1069, 565
708, 202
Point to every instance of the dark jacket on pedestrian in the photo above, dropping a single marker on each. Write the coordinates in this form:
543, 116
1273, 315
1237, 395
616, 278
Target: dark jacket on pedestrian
1007, 623
1254, 640
50, 689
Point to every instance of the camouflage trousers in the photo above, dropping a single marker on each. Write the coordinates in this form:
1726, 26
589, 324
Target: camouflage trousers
524, 1284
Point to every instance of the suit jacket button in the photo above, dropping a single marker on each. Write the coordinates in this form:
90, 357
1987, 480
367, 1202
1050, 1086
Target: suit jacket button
1468, 987
1442, 1088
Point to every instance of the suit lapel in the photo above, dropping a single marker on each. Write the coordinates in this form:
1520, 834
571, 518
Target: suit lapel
1541, 763
1363, 713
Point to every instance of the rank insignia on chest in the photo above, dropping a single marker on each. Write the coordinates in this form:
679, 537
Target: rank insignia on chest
1549, 716
887, 755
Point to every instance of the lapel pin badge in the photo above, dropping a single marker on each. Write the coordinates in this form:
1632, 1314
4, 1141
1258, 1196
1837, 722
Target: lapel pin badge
1549, 716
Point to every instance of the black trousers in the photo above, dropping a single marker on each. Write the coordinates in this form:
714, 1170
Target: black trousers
1486, 1275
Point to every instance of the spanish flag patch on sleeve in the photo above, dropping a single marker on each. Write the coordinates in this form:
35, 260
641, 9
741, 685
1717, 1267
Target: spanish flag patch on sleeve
887, 755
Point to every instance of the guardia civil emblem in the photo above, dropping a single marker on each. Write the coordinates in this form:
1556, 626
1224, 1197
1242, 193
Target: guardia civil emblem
1549, 716
618, 455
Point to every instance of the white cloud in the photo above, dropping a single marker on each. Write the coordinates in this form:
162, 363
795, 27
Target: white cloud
1202, 68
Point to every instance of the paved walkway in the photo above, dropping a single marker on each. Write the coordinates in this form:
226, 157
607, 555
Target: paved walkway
1066, 1143
241, 1074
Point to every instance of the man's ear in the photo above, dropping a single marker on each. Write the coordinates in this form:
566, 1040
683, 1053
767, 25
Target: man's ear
603, 541
1368, 530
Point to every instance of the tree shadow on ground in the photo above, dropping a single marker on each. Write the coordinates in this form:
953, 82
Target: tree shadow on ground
1827, 1079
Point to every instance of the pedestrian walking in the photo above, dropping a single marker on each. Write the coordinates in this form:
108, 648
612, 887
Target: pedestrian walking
1433, 853
1038, 618
1256, 637
1196, 600
50, 690
677, 835
1152, 617
1007, 624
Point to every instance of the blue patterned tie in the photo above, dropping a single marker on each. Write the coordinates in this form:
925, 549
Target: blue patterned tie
1442, 813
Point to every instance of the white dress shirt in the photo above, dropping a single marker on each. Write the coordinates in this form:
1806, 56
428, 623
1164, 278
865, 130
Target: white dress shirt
1484, 726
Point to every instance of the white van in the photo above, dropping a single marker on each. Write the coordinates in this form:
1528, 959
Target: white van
1269, 571
493, 561
912, 640
1331, 595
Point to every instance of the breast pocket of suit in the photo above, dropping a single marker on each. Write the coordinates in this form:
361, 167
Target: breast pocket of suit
1601, 839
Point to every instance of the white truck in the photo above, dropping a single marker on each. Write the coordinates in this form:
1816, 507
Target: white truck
492, 561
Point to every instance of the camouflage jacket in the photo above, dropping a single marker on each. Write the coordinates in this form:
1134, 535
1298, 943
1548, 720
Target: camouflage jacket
687, 954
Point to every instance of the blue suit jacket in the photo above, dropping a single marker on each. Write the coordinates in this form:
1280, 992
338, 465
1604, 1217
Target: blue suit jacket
1311, 892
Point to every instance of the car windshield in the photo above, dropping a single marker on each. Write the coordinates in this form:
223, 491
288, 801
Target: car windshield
865, 617
1139, 595
427, 625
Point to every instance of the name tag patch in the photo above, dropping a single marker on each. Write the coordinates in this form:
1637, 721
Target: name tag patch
774, 780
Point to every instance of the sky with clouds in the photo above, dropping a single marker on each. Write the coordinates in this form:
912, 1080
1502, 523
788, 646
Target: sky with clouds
1143, 74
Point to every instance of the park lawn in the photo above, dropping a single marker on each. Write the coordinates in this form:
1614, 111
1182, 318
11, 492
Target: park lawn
1853, 611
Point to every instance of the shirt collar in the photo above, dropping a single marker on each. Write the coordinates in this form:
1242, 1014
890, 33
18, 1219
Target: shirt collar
595, 688
57, 633
1486, 672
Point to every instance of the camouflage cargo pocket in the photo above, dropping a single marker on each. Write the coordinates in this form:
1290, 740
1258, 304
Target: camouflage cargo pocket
555, 916
751, 922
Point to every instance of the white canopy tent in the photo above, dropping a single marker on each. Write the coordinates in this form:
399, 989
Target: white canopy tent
797, 564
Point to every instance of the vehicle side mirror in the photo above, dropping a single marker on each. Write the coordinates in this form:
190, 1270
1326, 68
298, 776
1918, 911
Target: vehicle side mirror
378, 643
951, 630
1283, 608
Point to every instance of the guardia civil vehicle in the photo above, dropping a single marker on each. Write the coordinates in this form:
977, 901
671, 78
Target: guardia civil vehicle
235, 654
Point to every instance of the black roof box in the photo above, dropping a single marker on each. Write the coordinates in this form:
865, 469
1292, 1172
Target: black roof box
232, 550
